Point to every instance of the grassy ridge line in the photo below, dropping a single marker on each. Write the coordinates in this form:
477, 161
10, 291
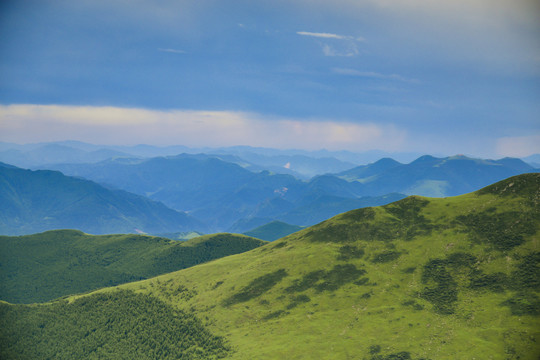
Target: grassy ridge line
45, 266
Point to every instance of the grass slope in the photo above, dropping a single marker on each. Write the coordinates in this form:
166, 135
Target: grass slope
45, 266
421, 278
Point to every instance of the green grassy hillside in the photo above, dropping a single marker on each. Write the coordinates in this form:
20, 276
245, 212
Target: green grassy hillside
45, 266
453, 278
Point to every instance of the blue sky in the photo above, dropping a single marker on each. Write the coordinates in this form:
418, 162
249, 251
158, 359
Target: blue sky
438, 77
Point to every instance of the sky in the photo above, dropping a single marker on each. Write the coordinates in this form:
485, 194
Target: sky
431, 76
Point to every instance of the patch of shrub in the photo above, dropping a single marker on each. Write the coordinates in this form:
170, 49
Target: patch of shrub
339, 276
329, 280
496, 282
527, 275
403, 355
217, 284
408, 211
279, 245
274, 314
503, 231
443, 295
413, 304
297, 300
386, 256
460, 259
257, 287
523, 304
348, 252
362, 281
409, 270
170, 290
308, 281
442, 290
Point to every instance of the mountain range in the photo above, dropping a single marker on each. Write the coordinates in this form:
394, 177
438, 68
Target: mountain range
300, 163
216, 192
35, 201
224, 195
431, 176
420, 278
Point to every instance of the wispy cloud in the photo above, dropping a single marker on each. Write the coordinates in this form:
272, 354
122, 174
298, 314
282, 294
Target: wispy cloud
329, 36
174, 51
374, 75
335, 44
349, 50
113, 125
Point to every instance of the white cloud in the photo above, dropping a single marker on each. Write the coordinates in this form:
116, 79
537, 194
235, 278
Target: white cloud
174, 51
112, 125
334, 44
371, 74
518, 146
329, 36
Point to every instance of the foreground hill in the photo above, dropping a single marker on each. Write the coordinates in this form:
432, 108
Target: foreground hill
421, 278
34, 201
45, 266
431, 176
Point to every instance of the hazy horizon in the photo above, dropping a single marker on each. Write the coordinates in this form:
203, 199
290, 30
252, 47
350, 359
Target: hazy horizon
441, 78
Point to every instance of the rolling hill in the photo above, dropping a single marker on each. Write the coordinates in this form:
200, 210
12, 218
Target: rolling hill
421, 278
431, 176
35, 201
45, 266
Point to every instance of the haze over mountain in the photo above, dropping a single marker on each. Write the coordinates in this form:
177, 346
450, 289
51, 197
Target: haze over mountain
431, 176
34, 201
421, 278
224, 195
300, 163
228, 197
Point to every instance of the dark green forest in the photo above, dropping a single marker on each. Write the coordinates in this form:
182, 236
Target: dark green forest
113, 325
45, 266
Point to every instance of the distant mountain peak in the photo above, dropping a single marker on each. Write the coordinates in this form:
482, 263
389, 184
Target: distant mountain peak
425, 159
